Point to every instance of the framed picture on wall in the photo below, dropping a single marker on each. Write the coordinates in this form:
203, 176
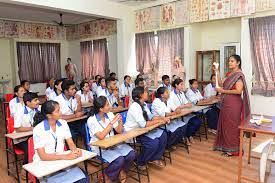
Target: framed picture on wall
226, 50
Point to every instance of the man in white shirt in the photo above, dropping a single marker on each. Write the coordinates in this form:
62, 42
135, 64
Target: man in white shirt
71, 108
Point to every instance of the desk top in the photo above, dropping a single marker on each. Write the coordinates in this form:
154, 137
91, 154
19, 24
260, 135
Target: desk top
19, 135
44, 168
214, 101
198, 108
76, 119
264, 128
183, 113
119, 110
87, 105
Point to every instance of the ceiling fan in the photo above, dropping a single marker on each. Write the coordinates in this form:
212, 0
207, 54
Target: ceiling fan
60, 23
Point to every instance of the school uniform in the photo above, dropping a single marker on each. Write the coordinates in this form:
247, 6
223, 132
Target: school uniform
212, 115
68, 107
176, 128
193, 122
153, 142
48, 91
210, 91
94, 87
169, 87
110, 97
13, 105
120, 156
24, 118
125, 90
84, 98
99, 90
52, 96
54, 142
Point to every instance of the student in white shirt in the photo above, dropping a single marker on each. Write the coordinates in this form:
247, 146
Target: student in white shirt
102, 125
101, 87
112, 94
49, 136
17, 100
23, 122
178, 101
126, 88
71, 108
113, 75
139, 82
195, 97
95, 84
85, 95
26, 85
176, 129
153, 142
210, 89
166, 82
50, 88
57, 89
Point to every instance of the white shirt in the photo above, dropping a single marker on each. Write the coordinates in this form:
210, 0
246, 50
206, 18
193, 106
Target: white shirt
52, 142
24, 118
194, 96
94, 87
48, 92
210, 91
14, 104
67, 107
110, 97
99, 90
84, 98
159, 108
52, 96
125, 90
169, 87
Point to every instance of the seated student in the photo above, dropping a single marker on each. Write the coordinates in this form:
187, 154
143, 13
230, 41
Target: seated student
102, 125
111, 93
194, 95
176, 128
17, 100
95, 84
26, 85
139, 76
210, 89
71, 107
23, 122
49, 136
153, 142
57, 89
101, 87
166, 82
50, 88
85, 94
113, 75
174, 78
126, 88
178, 101
139, 82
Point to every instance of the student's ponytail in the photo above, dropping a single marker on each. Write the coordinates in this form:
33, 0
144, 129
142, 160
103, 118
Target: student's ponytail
47, 108
136, 95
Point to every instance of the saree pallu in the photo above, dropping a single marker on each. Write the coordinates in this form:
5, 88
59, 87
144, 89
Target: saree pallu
235, 110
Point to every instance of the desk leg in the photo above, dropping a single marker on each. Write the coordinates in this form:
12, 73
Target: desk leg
240, 157
102, 168
249, 148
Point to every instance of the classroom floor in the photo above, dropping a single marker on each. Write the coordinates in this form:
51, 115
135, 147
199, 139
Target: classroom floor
202, 165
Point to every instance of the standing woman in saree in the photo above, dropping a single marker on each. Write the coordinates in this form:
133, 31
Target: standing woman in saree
235, 108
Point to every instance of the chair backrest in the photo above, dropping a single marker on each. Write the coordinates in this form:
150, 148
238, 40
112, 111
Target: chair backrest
31, 178
7, 112
10, 129
124, 116
127, 101
8, 97
87, 138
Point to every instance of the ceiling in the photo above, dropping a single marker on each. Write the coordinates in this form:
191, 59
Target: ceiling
26, 13
134, 3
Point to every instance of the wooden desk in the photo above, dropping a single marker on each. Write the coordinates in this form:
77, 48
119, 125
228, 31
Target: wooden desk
19, 135
267, 129
87, 105
42, 169
76, 119
183, 113
214, 101
199, 108
119, 110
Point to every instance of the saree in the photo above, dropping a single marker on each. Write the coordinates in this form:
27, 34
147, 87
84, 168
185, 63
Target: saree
235, 110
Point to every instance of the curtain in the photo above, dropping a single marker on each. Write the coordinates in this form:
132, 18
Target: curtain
170, 44
145, 52
38, 62
100, 57
86, 49
262, 36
